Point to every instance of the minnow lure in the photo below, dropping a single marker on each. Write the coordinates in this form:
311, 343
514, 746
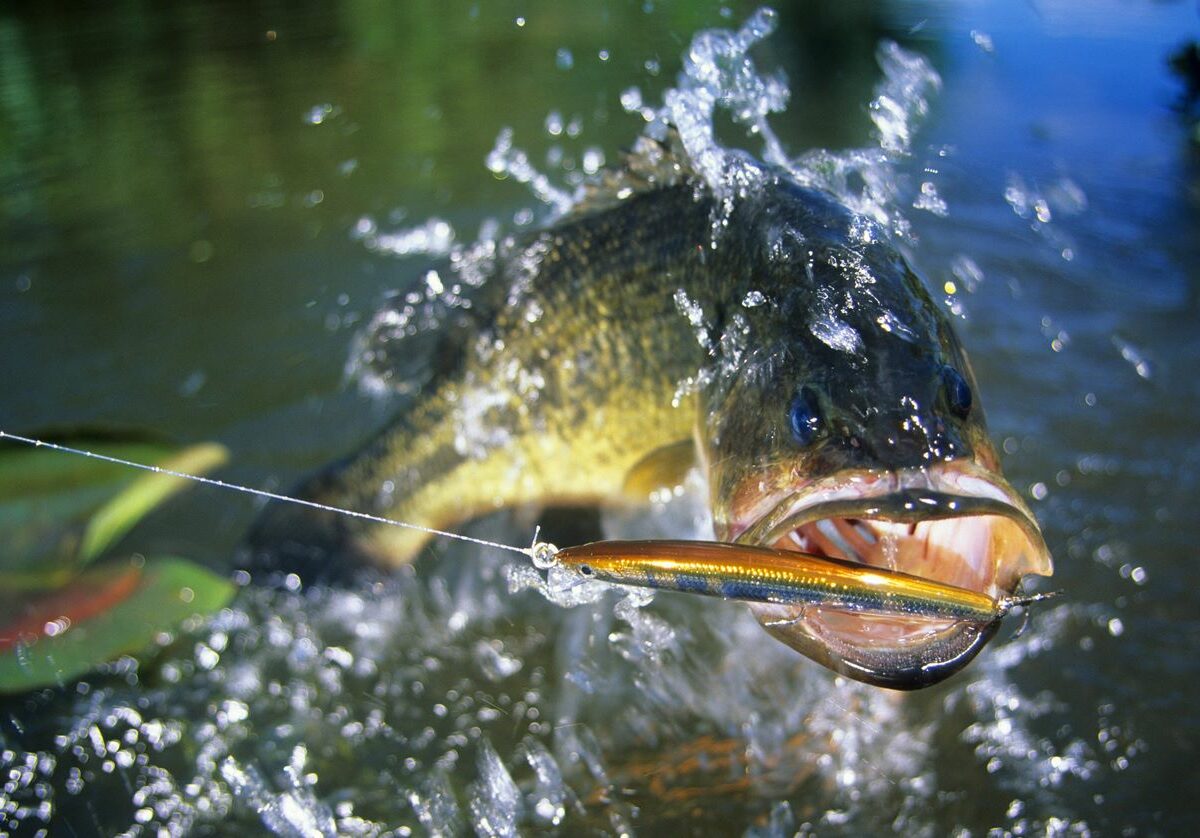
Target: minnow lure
781, 577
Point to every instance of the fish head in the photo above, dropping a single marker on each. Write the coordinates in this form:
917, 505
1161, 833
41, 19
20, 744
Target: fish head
852, 429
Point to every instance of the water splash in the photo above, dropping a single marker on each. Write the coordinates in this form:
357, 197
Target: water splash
399, 704
504, 159
482, 695
719, 76
1043, 209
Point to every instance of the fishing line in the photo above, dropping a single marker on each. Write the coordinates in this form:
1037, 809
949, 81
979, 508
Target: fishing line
539, 551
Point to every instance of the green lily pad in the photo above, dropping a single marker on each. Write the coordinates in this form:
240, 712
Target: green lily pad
26, 471
109, 610
59, 512
119, 514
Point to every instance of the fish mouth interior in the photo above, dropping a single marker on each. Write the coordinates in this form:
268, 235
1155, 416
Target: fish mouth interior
959, 526
976, 543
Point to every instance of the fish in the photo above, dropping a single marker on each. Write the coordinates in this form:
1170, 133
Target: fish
769, 336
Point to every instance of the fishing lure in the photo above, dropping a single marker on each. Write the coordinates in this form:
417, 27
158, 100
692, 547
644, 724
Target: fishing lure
781, 577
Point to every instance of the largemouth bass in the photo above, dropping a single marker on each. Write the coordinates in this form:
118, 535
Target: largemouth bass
772, 337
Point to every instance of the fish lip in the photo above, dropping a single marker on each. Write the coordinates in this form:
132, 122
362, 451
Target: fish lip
953, 489
994, 541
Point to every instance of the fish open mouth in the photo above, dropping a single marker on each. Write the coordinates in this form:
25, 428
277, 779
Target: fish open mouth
956, 523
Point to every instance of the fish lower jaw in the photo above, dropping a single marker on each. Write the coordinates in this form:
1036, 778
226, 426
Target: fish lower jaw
897, 651
981, 543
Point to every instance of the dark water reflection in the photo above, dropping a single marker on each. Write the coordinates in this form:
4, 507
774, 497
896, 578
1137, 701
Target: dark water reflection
179, 186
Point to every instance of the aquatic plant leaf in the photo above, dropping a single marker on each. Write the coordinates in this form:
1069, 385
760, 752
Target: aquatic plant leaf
147, 491
35, 472
46, 499
111, 609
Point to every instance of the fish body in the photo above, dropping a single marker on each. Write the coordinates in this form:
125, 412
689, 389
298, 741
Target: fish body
772, 337
553, 386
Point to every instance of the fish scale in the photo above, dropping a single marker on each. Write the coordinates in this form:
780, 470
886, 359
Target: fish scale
664, 322
605, 403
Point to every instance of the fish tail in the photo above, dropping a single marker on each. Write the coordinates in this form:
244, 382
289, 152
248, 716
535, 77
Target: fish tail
315, 543
414, 473
380, 479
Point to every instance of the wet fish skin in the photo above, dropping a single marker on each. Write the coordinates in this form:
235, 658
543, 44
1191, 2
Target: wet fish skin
609, 349
848, 321
570, 371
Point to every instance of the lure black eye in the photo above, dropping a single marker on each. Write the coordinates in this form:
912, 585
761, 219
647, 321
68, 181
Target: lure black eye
805, 416
958, 392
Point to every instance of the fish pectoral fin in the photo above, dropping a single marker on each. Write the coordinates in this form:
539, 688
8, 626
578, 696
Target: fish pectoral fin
662, 468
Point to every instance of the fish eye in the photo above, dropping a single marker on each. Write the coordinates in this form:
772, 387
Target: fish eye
805, 416
958, 392
586, 570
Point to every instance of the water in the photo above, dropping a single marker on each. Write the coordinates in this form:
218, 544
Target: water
201, 211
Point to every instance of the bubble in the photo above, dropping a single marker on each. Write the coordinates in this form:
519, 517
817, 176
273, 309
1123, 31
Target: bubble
319, 114
1135, 357
930, 201
983, 40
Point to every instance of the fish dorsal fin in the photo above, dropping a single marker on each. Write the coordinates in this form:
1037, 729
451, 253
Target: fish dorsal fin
662, 468
650, 165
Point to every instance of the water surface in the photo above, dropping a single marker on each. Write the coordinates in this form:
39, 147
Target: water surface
184, 194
